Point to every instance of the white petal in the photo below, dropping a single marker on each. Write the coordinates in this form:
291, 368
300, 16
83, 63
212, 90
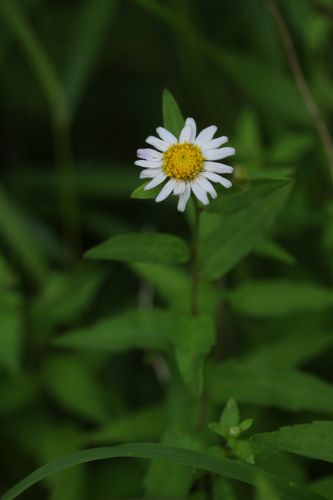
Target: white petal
179, 187
206, 185
199, 192
186, 134
183, 198
166, 190
166, 136
148, 164
215, 143
149, 154
148, 173
191, 123
217, 178
157, 143
219, 168
205, 135
155, 182
219, 154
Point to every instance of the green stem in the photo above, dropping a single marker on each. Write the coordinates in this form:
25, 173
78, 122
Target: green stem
54, 94
194, 261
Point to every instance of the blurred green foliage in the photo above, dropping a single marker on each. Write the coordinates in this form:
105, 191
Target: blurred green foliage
101, 353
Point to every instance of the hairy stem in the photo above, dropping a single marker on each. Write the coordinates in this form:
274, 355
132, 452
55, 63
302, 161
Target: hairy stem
302, 85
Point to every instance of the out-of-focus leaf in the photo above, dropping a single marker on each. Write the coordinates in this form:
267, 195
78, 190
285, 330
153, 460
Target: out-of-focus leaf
172, 116
89, 31
147, 424
313, 440
292, 350
142, 247
269, 385
204, 461
19, 241
11, 330
290, 147
17, 393
69, 380
141, 194
176, 479
269, 249
66, 296
223, 489
324, 486
238, 233
174, 286
145, 329
7, 276
265, 490
243, 450
280, 298
193, 338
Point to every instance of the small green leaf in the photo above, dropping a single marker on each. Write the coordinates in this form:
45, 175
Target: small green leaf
243, 450
246, 424
230, 414
141, 194
172, 116
313, 440
269, 249
193, 338
142, 247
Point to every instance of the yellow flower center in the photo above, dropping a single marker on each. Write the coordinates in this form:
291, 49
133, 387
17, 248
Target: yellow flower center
183, 161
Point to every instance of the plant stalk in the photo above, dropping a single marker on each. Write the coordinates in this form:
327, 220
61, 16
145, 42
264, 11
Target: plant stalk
194, 261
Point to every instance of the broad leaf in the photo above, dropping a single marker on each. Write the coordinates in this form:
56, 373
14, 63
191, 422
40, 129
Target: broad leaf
142, 247
141, 194
313, 440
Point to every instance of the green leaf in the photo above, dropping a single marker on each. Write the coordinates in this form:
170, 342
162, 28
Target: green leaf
270, 249
15, 234
313, 440
267, 299
230, 414
11, 330
172, 116
174, 287
193, 338
142, 247
140, 194
73, 385
223, 466
89, 30
243, 450
176, 479
66, 296
148, 423
246, 424
239, 232
145, 329
268, 385
293, 350
265, 490
222, 489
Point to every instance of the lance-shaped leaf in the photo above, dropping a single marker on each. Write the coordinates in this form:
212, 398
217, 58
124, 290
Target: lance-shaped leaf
244, 222
172, 116
145, 247
313, 440
193, 338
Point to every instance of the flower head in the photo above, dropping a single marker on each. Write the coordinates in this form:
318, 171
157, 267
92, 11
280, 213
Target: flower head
188, 163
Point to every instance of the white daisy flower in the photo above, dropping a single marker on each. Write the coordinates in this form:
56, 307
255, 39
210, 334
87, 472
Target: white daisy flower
188, 163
